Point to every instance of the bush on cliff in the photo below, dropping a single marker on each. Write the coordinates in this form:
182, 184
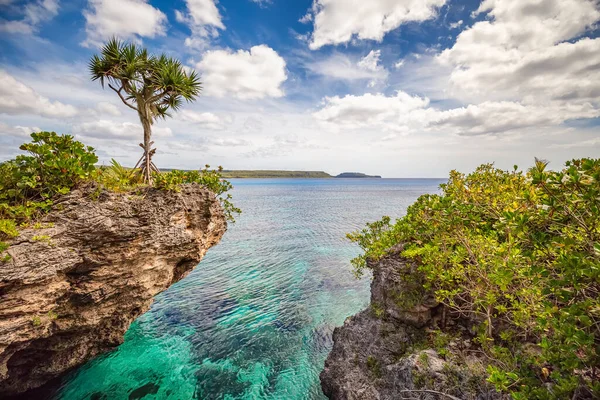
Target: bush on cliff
55, 164
517, 254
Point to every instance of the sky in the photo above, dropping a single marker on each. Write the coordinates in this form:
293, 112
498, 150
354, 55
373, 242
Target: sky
398, 88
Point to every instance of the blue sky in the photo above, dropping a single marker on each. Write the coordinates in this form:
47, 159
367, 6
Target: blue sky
401, 88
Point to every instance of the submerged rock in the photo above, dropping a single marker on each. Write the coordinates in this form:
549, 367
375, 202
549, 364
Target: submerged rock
385, 352
71, 289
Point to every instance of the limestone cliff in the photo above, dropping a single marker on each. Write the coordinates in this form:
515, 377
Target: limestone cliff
389, 351
74, 285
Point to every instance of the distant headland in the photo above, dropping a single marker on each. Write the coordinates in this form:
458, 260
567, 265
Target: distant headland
356, 175
273, 174
265, 173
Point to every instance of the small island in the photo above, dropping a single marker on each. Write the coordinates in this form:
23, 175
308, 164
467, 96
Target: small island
356, 175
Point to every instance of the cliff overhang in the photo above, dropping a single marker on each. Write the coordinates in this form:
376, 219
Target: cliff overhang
76, 281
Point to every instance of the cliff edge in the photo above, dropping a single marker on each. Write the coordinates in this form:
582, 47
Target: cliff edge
389, 351
75, 282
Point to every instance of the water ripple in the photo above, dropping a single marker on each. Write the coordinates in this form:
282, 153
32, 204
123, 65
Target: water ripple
254, 320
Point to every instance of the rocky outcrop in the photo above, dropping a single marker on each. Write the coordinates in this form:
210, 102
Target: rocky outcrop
394, 350
75, 283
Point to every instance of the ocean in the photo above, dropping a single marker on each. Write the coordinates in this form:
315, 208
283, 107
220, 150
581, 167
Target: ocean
254, 319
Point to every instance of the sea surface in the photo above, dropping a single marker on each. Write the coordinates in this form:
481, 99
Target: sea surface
254, 319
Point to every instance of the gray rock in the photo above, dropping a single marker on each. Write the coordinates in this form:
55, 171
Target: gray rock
382, 352
70, 291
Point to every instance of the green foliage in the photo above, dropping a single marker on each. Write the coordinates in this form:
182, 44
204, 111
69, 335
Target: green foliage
211, 179
118, 178
54, 165
160, 82
36, 321
374, 367
518, 254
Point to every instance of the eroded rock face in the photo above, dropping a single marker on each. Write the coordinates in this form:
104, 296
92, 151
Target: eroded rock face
384, 353
71, 291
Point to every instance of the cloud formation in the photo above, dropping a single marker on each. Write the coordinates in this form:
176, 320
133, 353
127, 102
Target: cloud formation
34, 13
16, 98
530, 51
339, 21
203, 19
126, 19
406, 114
206, 120
109, 129
343, 67
253, 74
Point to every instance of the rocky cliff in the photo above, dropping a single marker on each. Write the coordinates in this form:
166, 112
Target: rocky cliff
75, 282
396, 350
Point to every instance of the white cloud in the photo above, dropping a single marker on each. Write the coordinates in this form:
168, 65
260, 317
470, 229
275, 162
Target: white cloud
595, 142
262, 3
306, 18
370, 62
126, 19
456, 24
337, 21
34, 13
340, 66
17, 131
105, 107
394, 113
206, 119
524, 51
203, 19
18, 98
108, 129
399, 64
252, 74
406, 114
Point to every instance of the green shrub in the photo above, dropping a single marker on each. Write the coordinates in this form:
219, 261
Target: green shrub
519, 254
211, 179
55, 164
118, 178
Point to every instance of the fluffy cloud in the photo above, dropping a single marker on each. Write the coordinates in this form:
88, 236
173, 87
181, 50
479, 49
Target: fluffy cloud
104, 108
106, 129
34, 14
127, 19
17, 131
530, 51
252, 74
338, 21
18, 98
340, 66
405, 114
203, 19
206, 119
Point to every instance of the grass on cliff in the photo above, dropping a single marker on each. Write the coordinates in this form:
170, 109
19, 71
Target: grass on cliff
518, 255
56, 164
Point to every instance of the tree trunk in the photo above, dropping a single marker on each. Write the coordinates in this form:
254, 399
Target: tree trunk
146, 164
147, 156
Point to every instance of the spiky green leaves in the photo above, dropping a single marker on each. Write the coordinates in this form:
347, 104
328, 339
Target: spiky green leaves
159, 83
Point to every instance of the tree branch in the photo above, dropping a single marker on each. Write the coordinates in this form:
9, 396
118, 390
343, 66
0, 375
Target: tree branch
157, 96
121, 96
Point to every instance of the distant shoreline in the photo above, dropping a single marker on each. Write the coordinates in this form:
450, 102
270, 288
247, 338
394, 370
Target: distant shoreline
274, 174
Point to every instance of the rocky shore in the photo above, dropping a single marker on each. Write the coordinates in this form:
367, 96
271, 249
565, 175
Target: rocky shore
76, 281
394, 350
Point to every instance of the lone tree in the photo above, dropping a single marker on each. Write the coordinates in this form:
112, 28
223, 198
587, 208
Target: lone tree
151, 85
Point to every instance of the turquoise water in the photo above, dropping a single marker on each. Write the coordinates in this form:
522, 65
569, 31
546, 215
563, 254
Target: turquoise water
254, 319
